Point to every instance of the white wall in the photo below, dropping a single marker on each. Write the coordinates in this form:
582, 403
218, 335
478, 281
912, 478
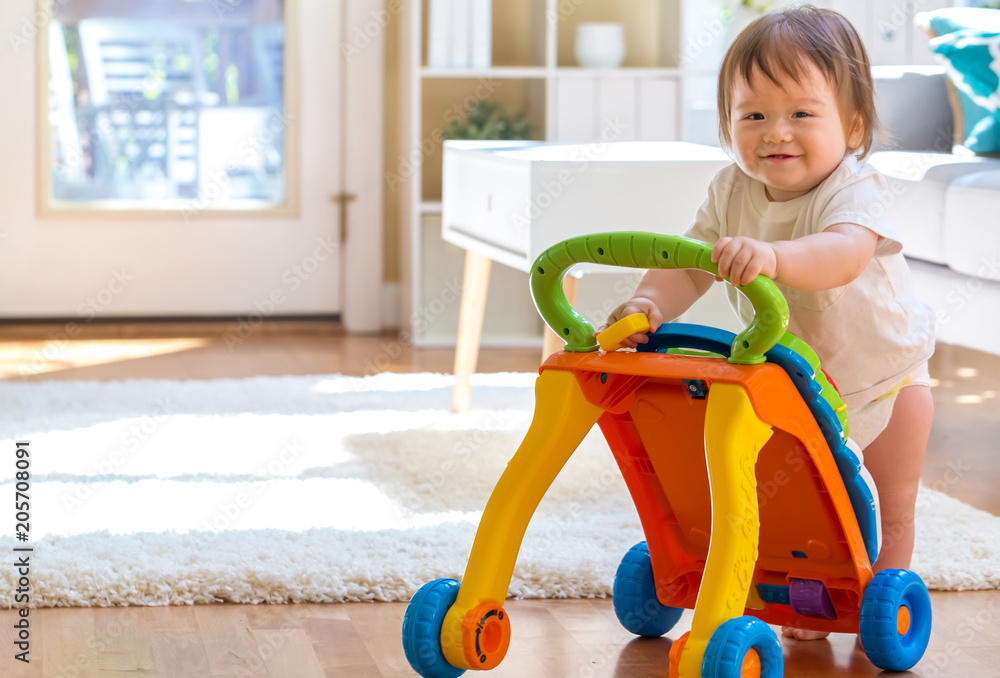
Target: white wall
886, 26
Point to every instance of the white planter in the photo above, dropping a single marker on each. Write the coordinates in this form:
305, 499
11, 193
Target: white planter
600, 45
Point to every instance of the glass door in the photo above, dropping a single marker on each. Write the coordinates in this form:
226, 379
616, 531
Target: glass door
170, 156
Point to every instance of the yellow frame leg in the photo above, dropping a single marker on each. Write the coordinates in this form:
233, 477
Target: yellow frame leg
562, 418
734, 436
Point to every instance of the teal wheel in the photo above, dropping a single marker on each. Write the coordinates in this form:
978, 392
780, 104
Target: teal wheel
422, 624
634, 596
895, 619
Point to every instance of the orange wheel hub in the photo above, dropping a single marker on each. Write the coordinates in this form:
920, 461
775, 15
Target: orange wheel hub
751, 665
485, 635
903, 620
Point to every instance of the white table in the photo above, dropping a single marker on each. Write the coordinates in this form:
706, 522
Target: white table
509, 201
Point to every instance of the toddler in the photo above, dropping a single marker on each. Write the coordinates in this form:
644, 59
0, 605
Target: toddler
797, 113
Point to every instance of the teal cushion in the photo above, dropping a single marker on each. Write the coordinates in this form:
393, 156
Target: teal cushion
953, 19
968, 44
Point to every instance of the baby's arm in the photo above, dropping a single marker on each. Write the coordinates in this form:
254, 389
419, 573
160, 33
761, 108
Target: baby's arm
662, 294
820, 261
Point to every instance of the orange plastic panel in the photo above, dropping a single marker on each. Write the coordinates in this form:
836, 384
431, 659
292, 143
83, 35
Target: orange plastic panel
656, 430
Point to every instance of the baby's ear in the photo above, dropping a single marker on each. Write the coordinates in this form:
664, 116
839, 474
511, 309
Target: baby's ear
855, 137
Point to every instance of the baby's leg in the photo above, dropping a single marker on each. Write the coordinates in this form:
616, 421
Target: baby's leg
894, 460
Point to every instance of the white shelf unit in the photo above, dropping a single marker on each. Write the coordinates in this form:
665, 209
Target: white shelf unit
565, 103
668, 95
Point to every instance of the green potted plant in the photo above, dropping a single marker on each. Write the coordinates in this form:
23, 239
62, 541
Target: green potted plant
489, 120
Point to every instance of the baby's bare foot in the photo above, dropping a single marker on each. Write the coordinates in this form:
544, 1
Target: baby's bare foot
803, 634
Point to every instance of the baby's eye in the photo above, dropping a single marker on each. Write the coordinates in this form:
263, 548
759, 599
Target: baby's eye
754, 116
800, 114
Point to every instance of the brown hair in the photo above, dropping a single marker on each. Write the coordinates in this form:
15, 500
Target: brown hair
780, 43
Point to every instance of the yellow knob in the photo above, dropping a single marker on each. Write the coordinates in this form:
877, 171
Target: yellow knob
611, 338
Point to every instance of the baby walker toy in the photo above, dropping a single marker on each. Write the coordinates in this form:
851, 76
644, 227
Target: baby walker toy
754, 503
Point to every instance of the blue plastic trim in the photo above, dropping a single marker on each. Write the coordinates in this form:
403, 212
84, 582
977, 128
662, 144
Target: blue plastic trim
774, 594
684, 335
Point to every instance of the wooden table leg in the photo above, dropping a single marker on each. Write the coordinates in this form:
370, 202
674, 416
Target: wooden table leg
475, 285
553, 342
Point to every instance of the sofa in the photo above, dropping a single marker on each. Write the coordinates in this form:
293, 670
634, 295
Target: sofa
944, 200
933, 188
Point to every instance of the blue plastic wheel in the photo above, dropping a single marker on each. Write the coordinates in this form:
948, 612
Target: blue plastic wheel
729, 645
892, 643
422, 624
634, 596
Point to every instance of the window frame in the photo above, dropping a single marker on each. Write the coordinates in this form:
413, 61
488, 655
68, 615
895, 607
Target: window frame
172, 208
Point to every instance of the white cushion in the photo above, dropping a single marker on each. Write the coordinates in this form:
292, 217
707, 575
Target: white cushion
972, 224
918, 182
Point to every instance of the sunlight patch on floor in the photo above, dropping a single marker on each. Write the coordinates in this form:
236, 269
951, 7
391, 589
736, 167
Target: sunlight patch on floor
24, 359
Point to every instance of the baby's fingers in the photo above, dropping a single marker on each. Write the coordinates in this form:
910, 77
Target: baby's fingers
719, 247
723, 255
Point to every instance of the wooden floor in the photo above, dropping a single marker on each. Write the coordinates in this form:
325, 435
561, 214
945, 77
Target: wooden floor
552, 639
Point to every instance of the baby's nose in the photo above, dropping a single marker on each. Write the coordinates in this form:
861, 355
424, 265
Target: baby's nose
778, 131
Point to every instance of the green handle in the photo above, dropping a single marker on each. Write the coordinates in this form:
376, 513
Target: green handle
648, 250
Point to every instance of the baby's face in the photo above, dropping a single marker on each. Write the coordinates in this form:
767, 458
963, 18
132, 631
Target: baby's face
789, 135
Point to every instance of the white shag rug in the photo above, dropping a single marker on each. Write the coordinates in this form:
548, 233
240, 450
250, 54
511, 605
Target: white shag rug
327, 488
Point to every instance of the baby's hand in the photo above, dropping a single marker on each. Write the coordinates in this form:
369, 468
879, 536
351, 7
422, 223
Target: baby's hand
742, 259
635, 305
